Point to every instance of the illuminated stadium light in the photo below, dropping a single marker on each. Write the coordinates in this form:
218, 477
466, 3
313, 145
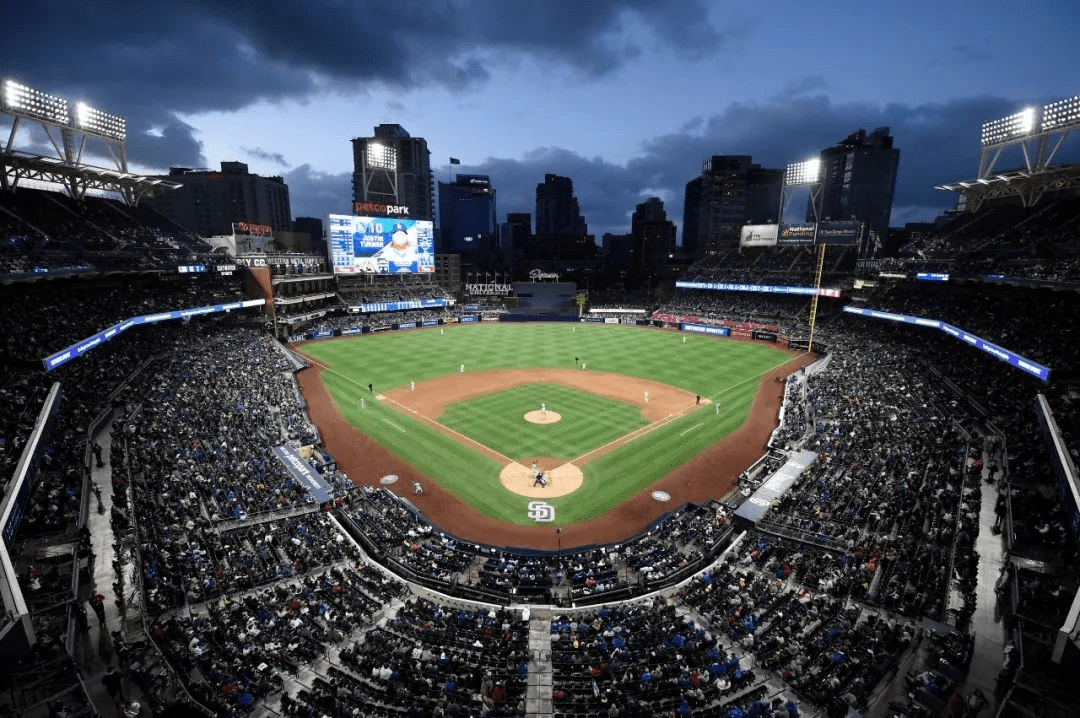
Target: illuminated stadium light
100, 123
380, 156
1061, 114
806, 172
1012, 127
26, 101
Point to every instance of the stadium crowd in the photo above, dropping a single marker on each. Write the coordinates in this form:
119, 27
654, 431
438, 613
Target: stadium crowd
259, 598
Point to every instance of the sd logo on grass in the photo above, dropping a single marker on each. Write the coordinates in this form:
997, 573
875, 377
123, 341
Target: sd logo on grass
541, 511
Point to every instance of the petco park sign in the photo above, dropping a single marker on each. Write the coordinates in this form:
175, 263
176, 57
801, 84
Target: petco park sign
378, 208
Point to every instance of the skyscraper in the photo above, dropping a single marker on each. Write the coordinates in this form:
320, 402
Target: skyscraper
653, 234
561, 232
858, 177
557, 210
467, 222
393, 169
731, 191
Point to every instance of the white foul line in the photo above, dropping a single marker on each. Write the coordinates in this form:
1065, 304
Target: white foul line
394, 425
692, 428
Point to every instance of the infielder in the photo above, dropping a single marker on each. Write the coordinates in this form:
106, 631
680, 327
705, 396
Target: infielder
412, 386
462, 369
361, 402
543, 409
646, 396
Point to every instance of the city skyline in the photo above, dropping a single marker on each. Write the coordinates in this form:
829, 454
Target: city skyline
627, 99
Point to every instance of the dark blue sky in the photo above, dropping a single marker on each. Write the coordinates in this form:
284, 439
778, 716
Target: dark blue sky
627, 98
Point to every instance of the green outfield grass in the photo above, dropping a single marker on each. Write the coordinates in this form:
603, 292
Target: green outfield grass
720, 369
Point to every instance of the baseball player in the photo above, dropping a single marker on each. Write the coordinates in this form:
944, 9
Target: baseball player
684, 339
646, 396
462, 369
717, 407
543, 409
361, 402
412, 386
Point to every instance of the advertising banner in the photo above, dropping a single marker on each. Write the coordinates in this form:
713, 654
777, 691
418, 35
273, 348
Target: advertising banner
759, 235
764, 336
706, 329
793, 234
304, 473
842, 233
767, 288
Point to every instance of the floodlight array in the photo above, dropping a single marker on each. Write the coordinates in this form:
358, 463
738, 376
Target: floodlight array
380, 156
27, 101
806, 172
100, 123
1016, 125
1061, 114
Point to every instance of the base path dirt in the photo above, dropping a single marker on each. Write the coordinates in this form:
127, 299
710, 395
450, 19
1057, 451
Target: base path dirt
711, 474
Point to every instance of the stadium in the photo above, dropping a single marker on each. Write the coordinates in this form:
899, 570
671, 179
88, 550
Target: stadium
808, 483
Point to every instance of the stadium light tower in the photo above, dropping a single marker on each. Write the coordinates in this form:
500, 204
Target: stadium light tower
380, 169
802, 174
68, 129
26, 103
110, 129
1039, 132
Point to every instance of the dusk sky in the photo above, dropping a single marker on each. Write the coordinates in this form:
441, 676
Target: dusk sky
627, 98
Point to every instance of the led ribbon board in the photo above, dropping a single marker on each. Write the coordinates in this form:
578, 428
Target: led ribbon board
1031, 367
79, 348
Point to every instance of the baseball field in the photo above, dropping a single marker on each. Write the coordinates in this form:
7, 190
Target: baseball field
460, 410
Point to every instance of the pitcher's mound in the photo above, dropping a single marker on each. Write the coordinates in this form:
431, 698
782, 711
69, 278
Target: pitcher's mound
543, 417
562, 478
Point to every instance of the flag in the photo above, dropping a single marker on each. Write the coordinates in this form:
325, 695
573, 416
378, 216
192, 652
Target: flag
455, 161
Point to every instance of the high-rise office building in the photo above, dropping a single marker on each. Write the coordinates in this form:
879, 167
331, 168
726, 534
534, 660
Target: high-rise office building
858, 177
557, 210
731, 191
209, 203
561, 233
653, 234
467, 222
393, 169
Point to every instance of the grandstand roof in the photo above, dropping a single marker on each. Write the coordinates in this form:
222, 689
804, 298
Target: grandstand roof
16, 165
1028, 185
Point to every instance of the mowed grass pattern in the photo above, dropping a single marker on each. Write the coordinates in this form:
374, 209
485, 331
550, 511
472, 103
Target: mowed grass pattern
497, 421
720, 369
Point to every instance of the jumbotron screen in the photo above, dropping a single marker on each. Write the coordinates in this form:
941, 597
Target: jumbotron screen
381, 245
